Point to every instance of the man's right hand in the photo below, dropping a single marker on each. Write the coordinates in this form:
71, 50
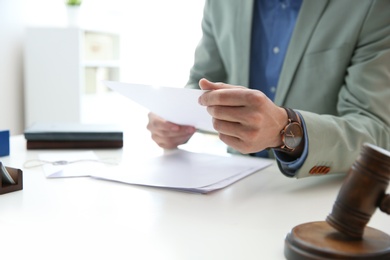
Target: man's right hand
167, 134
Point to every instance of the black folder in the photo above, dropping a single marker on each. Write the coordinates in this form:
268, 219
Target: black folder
73, 136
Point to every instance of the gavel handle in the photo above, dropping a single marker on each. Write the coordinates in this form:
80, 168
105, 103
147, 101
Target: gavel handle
385, 204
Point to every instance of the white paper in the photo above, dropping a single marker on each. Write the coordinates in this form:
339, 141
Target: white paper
186, 171
70, 164
178, 169
177, 105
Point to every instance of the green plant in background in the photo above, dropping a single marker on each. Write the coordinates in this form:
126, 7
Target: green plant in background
73, 2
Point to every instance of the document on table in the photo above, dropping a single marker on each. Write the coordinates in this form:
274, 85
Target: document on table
186, 171
177, 105
179, 169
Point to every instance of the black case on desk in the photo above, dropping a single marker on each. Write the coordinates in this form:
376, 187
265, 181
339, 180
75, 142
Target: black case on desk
73, 136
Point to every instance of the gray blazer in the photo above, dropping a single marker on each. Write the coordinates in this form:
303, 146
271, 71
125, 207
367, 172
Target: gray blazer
336, 71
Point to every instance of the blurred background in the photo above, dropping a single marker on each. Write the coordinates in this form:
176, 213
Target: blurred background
53, 56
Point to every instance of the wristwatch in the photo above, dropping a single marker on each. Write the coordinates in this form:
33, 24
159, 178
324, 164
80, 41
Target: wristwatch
292, 133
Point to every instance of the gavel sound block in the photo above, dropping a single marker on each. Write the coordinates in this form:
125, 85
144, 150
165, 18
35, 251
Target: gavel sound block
344, 234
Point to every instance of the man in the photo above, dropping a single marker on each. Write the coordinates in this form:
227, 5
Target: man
322, 68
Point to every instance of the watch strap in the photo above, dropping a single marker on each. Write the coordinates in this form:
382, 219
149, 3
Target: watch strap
292, 116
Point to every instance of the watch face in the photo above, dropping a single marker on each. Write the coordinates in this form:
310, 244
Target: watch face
293, 135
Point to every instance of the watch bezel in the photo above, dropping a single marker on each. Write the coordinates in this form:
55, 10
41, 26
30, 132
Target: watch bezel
290, 142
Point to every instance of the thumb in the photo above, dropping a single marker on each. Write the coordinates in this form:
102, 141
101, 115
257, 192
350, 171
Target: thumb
205, 84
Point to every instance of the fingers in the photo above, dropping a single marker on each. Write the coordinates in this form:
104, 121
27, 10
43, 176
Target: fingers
159, 125
241, 137
170, 142
228, 95
236, 143
245, 115
167, 134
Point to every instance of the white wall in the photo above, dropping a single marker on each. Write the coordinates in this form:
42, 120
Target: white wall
159, 38
11, 65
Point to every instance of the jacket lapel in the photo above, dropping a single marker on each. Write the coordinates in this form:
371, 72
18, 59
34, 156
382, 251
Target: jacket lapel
310, 13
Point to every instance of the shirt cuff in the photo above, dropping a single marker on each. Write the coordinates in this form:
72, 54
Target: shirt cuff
287, 166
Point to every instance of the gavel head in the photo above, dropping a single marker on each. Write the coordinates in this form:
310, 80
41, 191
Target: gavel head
362, 192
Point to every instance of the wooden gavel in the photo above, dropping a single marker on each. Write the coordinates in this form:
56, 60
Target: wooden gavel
362, 192
344, 234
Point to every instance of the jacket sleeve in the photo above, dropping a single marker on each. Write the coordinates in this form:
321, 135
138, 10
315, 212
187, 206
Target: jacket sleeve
363, 106
208, 62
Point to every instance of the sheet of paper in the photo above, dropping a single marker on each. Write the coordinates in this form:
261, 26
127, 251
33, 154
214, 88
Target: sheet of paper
178, 105
70, 164
186, 171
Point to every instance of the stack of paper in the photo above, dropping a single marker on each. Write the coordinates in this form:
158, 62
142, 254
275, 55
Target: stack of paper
187, 171
178, 169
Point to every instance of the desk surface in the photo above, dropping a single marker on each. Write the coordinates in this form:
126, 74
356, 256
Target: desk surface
85, 218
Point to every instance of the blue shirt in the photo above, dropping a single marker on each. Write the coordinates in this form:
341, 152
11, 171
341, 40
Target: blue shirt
272, 27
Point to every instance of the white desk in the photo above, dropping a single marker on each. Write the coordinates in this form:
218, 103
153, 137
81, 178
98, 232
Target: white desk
85, 218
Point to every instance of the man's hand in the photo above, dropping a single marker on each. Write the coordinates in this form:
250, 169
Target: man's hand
166, 134
245, 119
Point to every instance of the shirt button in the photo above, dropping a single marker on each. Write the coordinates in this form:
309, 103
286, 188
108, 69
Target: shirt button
273, 89
284, 6
276, 50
